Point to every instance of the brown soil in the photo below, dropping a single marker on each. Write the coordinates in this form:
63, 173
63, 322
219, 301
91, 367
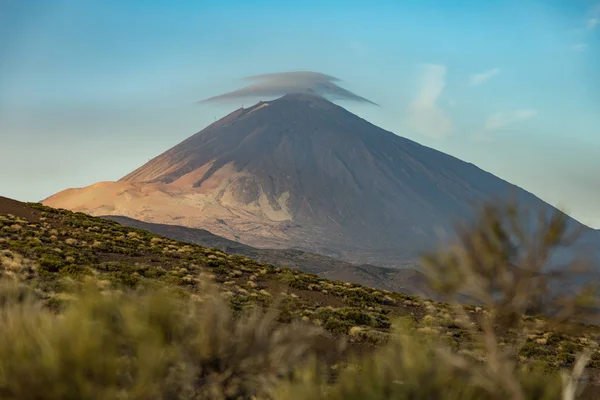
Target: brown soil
18, 209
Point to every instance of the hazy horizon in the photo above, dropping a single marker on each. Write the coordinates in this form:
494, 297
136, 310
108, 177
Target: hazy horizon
92, 91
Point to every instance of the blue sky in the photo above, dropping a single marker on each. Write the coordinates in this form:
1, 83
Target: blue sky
89, 90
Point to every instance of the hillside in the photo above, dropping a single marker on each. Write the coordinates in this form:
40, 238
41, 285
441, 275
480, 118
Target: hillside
405, 280
47, 248
301, 172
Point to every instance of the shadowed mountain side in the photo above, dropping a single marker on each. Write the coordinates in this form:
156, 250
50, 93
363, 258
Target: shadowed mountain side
407, 280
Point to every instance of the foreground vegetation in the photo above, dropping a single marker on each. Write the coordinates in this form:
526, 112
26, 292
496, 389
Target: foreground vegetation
91, 309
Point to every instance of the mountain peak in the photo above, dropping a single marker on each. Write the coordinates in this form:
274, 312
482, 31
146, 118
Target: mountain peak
304, 96
302, 172
310, 98
291, 102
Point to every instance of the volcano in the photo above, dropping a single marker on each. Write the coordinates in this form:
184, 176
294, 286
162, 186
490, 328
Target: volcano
302, 172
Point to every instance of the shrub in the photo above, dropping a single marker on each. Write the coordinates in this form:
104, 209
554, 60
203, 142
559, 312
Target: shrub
412, 368
51, 263
336, 325
142, 345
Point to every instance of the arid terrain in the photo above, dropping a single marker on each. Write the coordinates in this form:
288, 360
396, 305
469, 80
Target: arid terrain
406, 280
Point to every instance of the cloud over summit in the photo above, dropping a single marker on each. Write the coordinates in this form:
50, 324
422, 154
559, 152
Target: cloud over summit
282, 83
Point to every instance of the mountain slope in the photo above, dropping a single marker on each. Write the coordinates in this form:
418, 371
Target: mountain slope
406, 280
302, 172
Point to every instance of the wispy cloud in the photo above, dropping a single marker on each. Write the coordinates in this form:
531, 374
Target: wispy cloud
591, 22
425, 115
478, 79
594, 18
502, 119
279, 84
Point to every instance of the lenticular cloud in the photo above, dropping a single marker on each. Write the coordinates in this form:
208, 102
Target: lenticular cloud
279, 84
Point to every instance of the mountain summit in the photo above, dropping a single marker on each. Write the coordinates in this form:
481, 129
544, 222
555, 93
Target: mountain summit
304, 173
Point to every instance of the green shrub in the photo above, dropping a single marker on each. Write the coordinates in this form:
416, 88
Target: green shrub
336, 325
358, 317
75, 270
142, 346
533, 350
411, 368
51, 263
